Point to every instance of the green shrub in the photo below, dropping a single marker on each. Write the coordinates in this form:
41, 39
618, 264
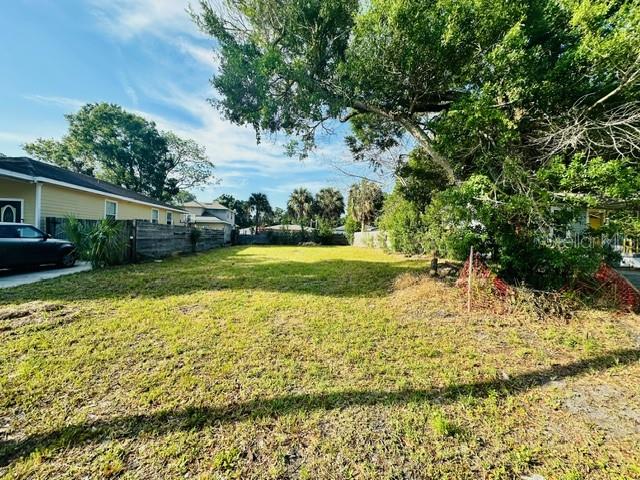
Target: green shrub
324, 232
194, 237
461, 217
77, 232
106, 245
289, 237
403, 225
101, 244
351, 226
523, 258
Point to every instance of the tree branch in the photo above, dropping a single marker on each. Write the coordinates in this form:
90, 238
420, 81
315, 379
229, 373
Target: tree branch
425, 142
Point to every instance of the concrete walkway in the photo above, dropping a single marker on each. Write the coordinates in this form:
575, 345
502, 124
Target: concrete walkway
10, 279
632, 275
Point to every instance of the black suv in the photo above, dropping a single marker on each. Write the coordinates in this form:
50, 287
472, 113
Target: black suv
23, 245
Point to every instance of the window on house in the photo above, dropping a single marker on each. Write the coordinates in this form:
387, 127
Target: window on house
111, 209
155, 215
169, 218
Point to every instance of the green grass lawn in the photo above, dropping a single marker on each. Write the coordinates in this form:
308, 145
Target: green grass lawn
306, 362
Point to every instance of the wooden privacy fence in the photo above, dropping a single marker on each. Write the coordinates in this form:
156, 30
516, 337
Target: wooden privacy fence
258, 239
154, 240
375, 239
145, 240
56, 227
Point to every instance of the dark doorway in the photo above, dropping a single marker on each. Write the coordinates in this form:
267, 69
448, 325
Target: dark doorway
10, 210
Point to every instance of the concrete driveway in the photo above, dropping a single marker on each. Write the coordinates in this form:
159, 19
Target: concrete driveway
10, 278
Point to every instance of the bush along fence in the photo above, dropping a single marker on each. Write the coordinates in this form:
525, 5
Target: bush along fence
483, 288
139, 240
292, 238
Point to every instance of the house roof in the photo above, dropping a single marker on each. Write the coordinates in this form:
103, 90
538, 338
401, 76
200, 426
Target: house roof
210, 205
209, 219
33, 170
287, 227
602, 202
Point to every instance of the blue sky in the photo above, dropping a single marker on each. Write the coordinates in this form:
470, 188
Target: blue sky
147, 56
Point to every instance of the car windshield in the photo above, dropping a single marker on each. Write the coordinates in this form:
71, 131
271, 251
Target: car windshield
29, 232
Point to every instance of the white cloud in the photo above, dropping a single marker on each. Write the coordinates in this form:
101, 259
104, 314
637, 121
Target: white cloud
207, 57
168, 20
131, 93
66, 102
228, 145
125, 19
288, 187
233, 148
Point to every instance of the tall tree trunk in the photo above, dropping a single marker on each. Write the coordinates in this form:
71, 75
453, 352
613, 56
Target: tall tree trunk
425, 142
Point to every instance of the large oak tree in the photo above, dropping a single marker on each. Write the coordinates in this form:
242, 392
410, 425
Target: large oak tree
473, 82
106, 141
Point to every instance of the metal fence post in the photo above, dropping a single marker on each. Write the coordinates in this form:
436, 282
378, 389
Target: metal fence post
470, 273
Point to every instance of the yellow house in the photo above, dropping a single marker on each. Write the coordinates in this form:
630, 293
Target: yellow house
31, 191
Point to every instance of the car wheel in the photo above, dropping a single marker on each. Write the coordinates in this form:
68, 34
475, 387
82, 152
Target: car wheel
68, 259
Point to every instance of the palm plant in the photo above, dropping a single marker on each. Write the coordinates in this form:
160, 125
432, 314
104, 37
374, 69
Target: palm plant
365, 201
77, 232
300, 204
106, 244
259, 205
329, 204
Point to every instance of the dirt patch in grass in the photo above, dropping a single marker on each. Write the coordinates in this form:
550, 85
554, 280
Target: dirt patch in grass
614, 410
34, 315
28, 310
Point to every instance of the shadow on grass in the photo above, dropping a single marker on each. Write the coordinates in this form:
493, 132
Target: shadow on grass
194, 418
223, 269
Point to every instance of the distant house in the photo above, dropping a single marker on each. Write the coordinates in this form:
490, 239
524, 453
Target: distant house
586, 230
212, 215
32, 191
289, 227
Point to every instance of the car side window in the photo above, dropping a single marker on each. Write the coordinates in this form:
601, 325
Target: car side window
29, 232
8, 231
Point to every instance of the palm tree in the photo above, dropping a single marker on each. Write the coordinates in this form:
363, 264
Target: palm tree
300, 204
259, 204
365, 201
330, 204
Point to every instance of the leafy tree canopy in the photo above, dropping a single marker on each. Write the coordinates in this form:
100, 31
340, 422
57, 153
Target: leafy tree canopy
508, 106
472, 81
183, 197
329, 204
260, 207
227, 200
123, 148
300, 204
365, 202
